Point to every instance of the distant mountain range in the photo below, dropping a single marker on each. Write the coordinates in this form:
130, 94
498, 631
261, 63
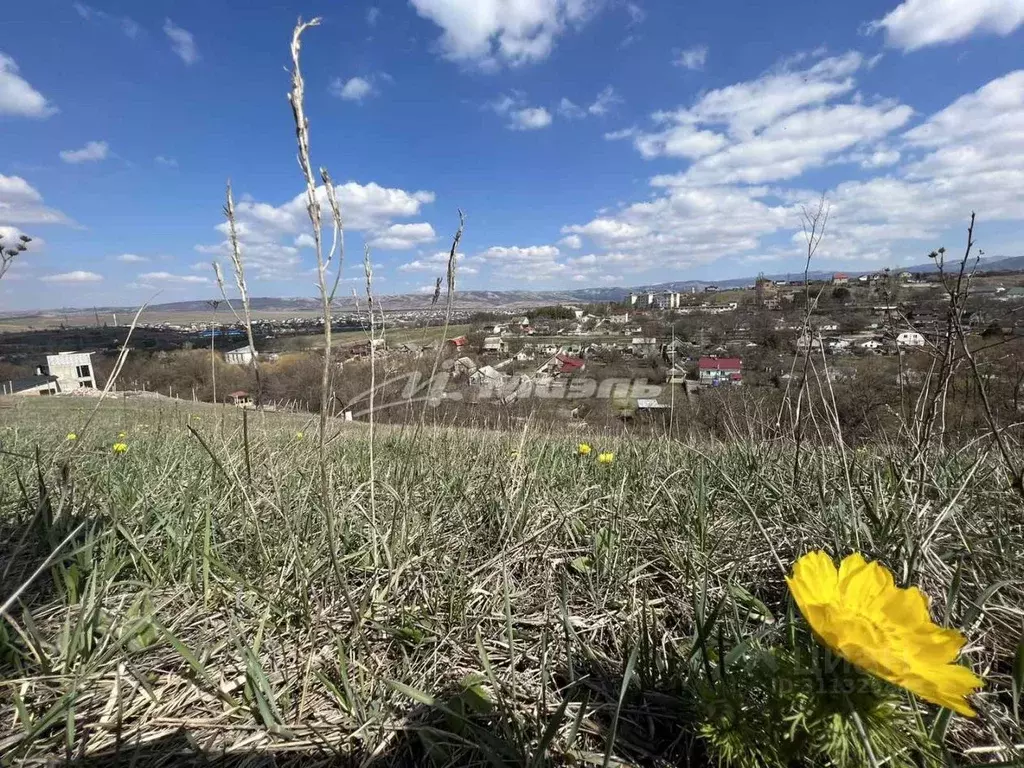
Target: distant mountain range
510, 299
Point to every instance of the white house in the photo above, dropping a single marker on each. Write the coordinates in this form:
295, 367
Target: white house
910, 339
241, 356
838, 344
495, 344
72, 369
870, 344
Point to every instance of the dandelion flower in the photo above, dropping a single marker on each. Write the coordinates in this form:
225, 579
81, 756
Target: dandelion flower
120, 447
72, 436
605, 458
583, 449
858, 612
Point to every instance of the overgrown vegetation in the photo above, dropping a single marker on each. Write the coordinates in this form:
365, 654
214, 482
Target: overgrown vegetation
634, 611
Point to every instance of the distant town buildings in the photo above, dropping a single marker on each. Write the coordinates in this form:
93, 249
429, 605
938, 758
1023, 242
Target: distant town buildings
715, 371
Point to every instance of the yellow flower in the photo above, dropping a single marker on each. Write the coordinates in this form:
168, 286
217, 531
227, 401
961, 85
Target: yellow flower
72, 436
122, 435
120, 447
859, 613
298, 435
583, 449
605, 458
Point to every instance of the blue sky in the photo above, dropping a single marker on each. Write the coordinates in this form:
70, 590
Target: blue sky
590, 142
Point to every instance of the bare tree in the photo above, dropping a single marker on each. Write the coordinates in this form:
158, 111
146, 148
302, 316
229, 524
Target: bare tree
10, 248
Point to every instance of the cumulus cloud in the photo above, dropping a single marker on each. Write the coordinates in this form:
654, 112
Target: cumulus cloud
400, 237
521, 117
437, 263
131, 258
353, 89
21, 203
92, 152
490, 33
740, 184
77, 276
271, 235
17, 97
916, 24
574, 242
692, 58
182, 42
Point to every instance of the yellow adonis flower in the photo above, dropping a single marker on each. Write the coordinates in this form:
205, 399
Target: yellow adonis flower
605, 458
72, 436
122, 435
858, 612
120, 447
583, 449
299, 435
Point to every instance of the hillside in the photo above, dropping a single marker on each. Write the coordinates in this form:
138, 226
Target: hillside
534, 606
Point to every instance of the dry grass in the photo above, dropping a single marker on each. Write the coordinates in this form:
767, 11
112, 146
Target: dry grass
491, 614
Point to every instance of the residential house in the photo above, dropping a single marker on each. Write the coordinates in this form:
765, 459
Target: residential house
619, 319
808, 342
720, 370
563, 364
72, 369
910, 339
837, 345
495, 344
240, 399
710, 289
31, 385
487, 376
458, 343
522, 356
677, 374
870, 344
826, 326
241, 356
840, 279
643, 346
650, 404
524, 322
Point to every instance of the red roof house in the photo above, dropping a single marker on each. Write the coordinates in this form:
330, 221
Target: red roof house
712, 370
567, 364
458, 342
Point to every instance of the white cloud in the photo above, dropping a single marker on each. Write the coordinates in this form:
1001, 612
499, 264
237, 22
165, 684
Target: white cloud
604, 101
372, 15
182, 42
21, 203
166, 162
438, 264
692, 58
305, 240
93, 151
521, 116
636, 14
400, 237
966, 157
353, 89
529, 119
267, 232
129, 27
167, 277
916, 24
17, 97
131, 258
489, 33
575, 242
570, 110
519, 254
77, 276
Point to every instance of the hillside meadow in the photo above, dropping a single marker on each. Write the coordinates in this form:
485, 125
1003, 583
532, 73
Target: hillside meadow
442, 596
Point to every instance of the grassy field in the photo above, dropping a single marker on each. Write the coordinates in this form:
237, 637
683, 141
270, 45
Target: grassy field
457, 597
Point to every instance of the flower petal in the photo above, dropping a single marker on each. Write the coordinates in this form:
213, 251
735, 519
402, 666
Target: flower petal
815, 578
